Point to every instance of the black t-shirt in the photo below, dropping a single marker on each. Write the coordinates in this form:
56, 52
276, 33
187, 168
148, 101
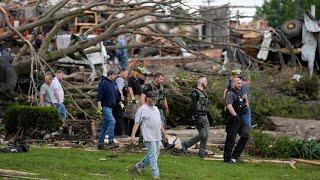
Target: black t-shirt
135, 84
232, 96
236, 100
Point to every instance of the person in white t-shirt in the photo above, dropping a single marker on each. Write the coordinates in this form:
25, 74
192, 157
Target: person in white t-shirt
58, 95
148, 116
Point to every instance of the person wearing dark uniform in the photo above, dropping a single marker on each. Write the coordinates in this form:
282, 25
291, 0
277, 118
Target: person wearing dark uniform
134, 88
234, 74
161, 101
200, 108
235, 109
135, 85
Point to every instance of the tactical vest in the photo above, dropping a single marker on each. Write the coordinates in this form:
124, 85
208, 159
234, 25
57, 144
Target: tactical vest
160, 95
203, 101
238, 103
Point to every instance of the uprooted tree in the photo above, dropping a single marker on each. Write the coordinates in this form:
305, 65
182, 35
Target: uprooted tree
143, 18
148, 20
122, 19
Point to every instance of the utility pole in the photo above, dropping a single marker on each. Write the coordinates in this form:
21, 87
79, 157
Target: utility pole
238, 19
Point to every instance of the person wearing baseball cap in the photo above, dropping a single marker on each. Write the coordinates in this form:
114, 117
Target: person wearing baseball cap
148, 117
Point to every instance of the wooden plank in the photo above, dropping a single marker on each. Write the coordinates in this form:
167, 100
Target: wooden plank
311, 162
16, 173
291, 163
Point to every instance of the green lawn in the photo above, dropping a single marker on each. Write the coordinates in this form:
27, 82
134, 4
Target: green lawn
80, 164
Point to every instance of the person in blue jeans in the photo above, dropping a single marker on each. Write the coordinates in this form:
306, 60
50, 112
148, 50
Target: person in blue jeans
107, 99
148, 116
58, 95
122, 52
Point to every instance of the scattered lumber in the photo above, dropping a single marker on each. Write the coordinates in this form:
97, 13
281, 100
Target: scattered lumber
7, 177
16, 173
291, 162
311, 162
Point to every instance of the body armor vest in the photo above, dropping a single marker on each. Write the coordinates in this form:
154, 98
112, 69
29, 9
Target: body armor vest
203, 101
160, 95
239, 103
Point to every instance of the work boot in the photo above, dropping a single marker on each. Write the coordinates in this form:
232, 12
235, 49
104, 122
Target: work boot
112, 145
202, 154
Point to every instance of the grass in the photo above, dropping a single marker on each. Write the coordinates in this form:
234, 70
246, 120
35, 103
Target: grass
80, 164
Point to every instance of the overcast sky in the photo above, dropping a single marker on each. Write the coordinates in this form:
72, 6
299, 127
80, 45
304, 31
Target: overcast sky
243, 11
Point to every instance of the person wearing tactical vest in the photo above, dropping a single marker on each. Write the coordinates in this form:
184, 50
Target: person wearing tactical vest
235, 109
234, 74
200, 108
161, 101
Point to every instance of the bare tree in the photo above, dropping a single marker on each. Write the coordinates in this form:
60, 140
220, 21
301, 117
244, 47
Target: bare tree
136, 18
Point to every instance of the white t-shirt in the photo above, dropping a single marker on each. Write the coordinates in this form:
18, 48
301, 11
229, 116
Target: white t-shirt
149, 119
55, 85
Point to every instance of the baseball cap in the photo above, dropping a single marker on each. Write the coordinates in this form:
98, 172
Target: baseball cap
151, 94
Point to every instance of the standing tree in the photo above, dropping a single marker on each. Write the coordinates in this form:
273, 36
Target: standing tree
278, 11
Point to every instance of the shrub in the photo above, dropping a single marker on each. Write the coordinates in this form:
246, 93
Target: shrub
261, 145
308, 88
307, 149
304, 89
262, 107
265, 145
217, 114
31, 117
284, 147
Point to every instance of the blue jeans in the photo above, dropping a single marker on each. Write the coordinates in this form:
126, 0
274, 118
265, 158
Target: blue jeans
123, 61
62, 111
153, 151
108, 124
247, 118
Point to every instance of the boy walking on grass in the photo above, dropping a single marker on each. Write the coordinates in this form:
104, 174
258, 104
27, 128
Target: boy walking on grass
148, 116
